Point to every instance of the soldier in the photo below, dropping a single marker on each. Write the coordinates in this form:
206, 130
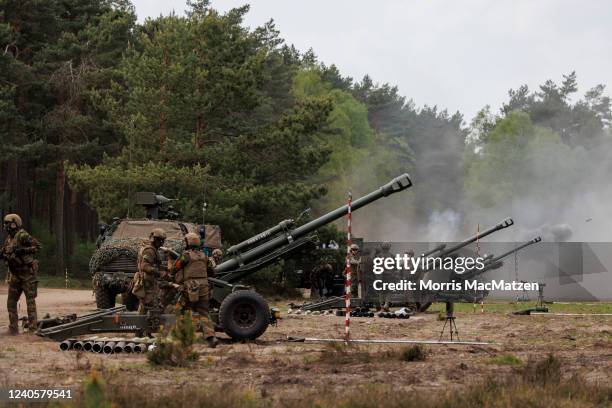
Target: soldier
217, 256
191, 272
356, 272
145, 286
18, 253
384, 297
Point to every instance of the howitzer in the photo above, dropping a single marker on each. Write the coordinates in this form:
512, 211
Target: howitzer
467, 295
270, 250
441, 251
496, 262
242, 314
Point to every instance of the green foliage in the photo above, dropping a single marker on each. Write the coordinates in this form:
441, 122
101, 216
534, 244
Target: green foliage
94, 392
506, 359
176, 348
516, 150
414, 353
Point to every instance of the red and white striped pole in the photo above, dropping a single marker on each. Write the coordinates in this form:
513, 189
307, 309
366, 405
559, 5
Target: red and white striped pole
347, 273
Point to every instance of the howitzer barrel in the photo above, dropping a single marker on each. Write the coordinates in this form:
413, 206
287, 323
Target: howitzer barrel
282, 226
499, 226
518, 248
396, 185
433, 251
495, 262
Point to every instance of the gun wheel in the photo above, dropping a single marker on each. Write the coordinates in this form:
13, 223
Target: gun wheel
244, 315
105, 298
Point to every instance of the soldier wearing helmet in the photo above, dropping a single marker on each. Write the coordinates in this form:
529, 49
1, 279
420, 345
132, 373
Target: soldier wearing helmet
18, 253
217, 257
191, 271
356, 272
145, 286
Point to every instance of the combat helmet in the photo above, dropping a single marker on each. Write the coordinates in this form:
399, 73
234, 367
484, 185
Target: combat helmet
13, 219
192, 240
354, 247
217, 253
158, 233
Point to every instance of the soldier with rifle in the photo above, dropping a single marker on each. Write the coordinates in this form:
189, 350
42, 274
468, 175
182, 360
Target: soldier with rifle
190, 273
18, 252
145, 286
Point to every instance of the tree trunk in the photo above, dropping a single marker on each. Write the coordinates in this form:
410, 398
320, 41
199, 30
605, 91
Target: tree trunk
60, 192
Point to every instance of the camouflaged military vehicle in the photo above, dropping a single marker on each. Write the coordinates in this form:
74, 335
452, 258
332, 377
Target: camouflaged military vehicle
113, 264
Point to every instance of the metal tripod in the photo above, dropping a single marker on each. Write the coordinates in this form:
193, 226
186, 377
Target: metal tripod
450, 320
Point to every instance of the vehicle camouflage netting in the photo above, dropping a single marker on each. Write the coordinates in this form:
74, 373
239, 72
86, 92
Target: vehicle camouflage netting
128, 247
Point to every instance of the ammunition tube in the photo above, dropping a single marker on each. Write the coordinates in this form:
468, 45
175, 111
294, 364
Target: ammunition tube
109, 347
67, 344
97, 346
129, 347
119, 347
78, 345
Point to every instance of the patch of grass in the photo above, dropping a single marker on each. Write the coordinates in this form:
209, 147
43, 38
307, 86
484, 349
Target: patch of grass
498, 306
509, 393
414, 353
59, 282
506, 359
10, 349
543, 372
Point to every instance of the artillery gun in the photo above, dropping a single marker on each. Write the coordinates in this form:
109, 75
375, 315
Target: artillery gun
426, 298
370, 297
242, 313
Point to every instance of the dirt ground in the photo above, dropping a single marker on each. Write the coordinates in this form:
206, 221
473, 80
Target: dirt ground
273, 365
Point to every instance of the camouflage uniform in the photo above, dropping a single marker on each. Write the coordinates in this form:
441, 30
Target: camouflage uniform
384, 297
145, 280
18, 252
356, 271
191, 271
319, 277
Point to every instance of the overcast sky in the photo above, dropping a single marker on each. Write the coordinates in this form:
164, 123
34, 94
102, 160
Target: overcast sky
459, 55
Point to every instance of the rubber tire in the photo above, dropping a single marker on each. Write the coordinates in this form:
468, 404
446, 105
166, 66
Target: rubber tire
130, 301
252, 300
105, 299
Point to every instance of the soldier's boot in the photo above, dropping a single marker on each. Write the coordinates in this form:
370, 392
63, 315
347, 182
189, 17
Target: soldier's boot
212, 341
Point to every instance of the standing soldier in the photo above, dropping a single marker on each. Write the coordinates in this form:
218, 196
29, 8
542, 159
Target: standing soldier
384, 296
356, 272
18, 253
145, 286
191, 272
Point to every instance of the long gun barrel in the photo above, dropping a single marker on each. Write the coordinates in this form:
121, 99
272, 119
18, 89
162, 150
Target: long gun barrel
282, 226
494, 263
508, 222
518, 248
229, 270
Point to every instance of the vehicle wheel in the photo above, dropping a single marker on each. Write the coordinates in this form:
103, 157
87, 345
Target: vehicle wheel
105, 298
244, 315
130, 301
